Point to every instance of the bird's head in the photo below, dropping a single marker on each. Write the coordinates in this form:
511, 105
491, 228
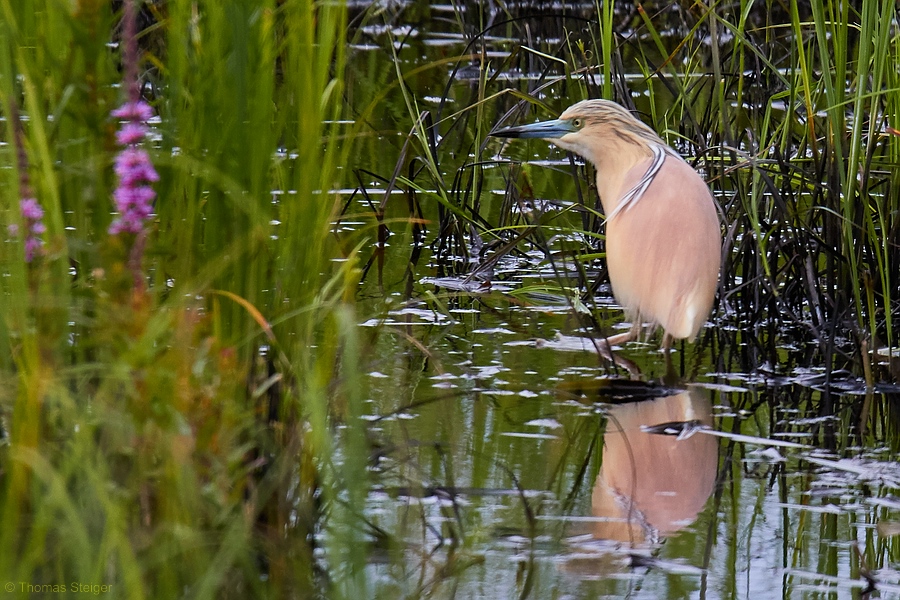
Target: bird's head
594, 129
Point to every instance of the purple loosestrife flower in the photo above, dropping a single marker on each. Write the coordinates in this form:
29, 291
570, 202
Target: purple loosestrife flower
131, 133
33, 219
133, 196
138, 111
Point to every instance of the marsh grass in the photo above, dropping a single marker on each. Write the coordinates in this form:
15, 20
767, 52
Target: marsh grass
177, 438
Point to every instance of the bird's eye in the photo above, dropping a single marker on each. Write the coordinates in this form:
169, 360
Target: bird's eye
578, 123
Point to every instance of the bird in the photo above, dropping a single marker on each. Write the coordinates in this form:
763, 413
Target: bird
663, 238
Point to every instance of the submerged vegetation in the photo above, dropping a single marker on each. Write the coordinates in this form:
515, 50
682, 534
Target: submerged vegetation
185, 410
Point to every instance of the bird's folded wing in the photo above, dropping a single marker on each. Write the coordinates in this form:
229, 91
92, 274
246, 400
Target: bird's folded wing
632, 196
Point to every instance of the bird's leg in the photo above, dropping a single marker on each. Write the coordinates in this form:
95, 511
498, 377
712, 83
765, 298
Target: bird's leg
604, 347
670, 378
629, 336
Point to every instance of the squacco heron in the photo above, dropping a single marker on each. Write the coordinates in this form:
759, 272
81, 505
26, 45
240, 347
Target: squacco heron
663, 240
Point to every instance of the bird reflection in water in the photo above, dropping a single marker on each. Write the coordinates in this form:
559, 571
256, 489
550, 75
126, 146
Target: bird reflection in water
652, 485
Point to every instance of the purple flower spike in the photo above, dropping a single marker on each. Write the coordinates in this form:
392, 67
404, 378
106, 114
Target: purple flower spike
32, 248
138, 111
133, 167
133, 197
31, 210
131, 133
32, 217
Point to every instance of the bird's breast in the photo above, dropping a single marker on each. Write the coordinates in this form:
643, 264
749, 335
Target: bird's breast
663, 250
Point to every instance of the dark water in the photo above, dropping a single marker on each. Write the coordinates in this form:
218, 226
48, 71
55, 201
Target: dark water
511, 467
511, 460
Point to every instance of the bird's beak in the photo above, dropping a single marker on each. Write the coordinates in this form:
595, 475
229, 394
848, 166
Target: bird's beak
546, 130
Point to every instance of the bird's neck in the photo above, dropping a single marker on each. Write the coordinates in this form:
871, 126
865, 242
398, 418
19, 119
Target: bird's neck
615, 164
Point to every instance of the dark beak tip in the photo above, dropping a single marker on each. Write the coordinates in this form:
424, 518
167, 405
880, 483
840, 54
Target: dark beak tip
506, 132
545, 130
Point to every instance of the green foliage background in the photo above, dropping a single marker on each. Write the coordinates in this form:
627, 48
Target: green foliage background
149, 444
